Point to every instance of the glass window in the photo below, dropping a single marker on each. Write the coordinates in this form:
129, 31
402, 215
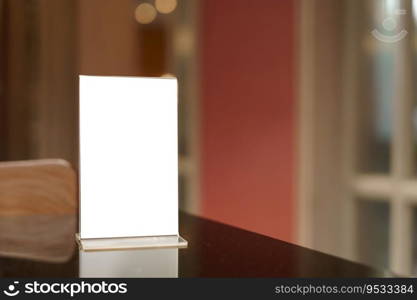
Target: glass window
373, 232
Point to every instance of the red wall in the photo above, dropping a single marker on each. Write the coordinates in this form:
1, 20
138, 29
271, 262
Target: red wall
247, 114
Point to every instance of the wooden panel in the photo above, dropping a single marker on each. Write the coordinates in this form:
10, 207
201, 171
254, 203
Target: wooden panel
37, 210
153, 55
46, 187
3, 62
39, 104
108, 37
19, 53
55, 107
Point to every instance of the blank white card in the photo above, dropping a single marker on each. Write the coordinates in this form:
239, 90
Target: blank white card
128, 157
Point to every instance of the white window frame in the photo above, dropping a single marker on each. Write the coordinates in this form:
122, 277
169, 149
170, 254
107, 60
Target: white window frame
320, 224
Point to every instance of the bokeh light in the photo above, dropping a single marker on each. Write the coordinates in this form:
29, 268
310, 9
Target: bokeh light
145, 13
165, 6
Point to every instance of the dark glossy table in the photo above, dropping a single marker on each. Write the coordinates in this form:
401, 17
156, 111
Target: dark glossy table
215, 250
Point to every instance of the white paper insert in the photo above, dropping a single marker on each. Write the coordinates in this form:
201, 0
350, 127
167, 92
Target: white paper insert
128, 157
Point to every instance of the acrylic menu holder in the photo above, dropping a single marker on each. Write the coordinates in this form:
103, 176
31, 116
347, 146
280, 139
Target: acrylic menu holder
128, 163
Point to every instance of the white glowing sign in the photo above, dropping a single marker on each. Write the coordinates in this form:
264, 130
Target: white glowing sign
128, 157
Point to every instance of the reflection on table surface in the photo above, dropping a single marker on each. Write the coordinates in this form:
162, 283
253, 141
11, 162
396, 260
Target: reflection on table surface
146, 263
45, 238
40, 246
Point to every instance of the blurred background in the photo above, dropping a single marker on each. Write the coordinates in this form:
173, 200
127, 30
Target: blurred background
297, 118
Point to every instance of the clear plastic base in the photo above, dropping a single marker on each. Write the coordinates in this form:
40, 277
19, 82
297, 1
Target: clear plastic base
145, 242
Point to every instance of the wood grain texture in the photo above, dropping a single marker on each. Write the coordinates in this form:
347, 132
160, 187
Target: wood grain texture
37, 210
45, 187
